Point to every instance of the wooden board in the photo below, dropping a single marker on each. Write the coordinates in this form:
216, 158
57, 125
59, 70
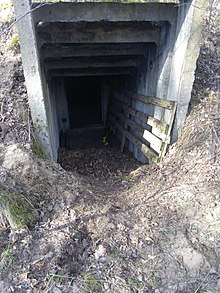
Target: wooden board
150, 100
143, 148
151, 121
157, 136
155, 142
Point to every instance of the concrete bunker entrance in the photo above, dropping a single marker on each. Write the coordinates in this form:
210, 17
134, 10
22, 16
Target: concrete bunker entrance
90, 66
85, 62
83, 83
136, 61
88, 84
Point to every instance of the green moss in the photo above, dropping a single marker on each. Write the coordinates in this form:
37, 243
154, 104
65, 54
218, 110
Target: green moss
126, 177
133, 282
21, 213
37, 149
14, 42
15, 210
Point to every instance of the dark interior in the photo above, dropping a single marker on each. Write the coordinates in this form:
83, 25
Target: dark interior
84, 101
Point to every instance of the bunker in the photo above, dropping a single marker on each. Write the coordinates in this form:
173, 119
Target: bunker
124, 65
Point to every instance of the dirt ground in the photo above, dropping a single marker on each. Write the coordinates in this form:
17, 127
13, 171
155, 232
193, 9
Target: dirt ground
108, 223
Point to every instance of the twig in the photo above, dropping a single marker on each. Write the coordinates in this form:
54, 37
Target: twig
215, 134
217, 95
29, 126
213, 151
2, 108
62, 277
202, 283
215, 138
27, 200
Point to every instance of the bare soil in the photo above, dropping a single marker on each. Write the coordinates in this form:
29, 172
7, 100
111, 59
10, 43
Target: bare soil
107, 223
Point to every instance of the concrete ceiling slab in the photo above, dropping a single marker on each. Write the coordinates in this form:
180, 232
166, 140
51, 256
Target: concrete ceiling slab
83, 50
90, 72
97, 32
82, 11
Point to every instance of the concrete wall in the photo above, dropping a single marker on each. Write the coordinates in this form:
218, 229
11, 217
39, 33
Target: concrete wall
35, 83
59, 108
184, 56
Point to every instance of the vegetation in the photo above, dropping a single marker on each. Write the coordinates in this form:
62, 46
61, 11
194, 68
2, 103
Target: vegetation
5, 8
14, 42
15, 210
37, 148
6, 256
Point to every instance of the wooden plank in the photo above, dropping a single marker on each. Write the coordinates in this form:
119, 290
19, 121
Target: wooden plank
168, 131
129, 122
155, 142
151, 100
124, 137
151, 121
160, 139
122, 143
159, 125
144, 149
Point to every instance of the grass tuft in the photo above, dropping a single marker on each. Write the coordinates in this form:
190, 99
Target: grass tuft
91, 282
6, 257
37, 149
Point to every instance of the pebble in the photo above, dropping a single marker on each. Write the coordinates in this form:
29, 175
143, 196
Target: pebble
106, 286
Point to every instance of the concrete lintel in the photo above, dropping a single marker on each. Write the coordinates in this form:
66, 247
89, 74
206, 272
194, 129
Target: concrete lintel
36, 2
66, 12
90, 71
88, 63
85, 50
84, 74
96, 33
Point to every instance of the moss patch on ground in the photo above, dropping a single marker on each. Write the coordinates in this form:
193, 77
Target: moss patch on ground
15, 210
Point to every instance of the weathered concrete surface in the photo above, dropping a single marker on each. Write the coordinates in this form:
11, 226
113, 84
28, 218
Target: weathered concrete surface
90, 72
36, 87
92, 63
185, 54
86, 50
61, 106
101, 32
89, 12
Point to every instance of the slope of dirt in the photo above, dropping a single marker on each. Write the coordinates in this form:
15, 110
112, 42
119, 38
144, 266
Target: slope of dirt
111, 224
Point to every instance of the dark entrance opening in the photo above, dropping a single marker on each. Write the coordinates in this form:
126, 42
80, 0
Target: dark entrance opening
84, 101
